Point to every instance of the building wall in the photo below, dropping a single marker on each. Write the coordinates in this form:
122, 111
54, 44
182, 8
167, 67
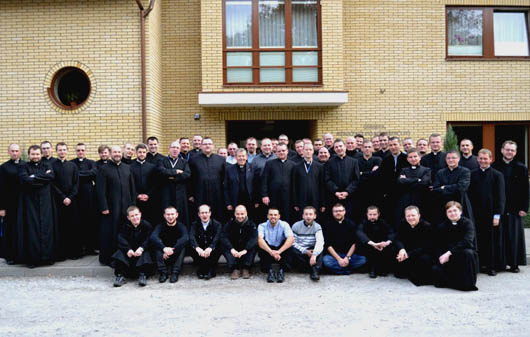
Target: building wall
38, 38
154, 70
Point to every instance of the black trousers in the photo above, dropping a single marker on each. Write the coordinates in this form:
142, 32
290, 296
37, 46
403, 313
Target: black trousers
417, 268
132, 266
380, 261
301, 261
266, 260
172, 264
206, 265
459, 273
244, 262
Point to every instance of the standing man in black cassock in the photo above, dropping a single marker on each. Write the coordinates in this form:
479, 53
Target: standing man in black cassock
37, 216
369, 188
383, 150
258, 165
207, 174
389, 172
66, 187
239, 184
276, 183
175, 174
115, 193
342, 179
46, 148
145, 183
86, 197
308, 184
153, 156
468, 159
10, 189
104, 155
414, 182
517, 199
486, 193
451, 184
435, 160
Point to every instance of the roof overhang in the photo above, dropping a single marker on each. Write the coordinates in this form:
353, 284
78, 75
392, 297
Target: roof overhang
235, 99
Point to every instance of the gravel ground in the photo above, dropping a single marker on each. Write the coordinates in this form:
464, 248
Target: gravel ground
335, 306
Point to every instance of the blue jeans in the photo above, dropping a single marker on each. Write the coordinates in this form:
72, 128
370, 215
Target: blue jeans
332, 265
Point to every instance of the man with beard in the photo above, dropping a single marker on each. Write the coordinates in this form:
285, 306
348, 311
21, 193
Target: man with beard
251, 146
323, 155
369, 188
391, 167
128, 151
414, 242
145, 177
468, 159
383, 151
205, 235
115, 192
240, 240
10, 190
153, 156
457, 263
46, 148
175, 174
486, 193
66, 188
169, 240
317, 144
517, 199
239, 183
308, 184
342, 179
207, 174
451, 184
37, 216
185, 148
414, 182
276, 183
86, 197
132, 256
421, 146
104, 155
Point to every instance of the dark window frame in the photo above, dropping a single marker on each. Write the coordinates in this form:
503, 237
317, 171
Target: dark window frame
51, 90
288, 50
488, 42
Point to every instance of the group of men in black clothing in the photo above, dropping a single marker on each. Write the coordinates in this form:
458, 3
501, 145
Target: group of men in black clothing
55, 209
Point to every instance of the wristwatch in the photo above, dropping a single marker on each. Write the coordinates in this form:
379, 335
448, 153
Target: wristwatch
349, 257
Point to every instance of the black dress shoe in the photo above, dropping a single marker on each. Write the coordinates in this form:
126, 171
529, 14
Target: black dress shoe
10, 262
382, 273
119, 281
162, 278
200, 275
492, 272
173, 278
272, 276
373, 274
142, 280
31, 266
514, 270
280, 276
314, 274
208, 276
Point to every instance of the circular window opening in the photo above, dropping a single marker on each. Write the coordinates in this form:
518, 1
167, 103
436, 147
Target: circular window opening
70, 88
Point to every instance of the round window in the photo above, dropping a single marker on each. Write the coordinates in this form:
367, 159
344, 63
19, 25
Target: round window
70, 88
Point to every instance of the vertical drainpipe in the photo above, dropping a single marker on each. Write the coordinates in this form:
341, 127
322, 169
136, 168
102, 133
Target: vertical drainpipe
143, 14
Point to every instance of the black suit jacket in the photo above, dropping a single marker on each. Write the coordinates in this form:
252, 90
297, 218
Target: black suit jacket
231, 184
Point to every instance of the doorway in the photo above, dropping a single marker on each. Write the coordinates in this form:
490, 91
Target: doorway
239, 131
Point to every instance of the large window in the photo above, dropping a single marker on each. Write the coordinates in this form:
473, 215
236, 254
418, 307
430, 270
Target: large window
272, 42
487, 32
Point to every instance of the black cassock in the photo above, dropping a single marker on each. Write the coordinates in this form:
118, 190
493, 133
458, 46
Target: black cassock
342, 175
369, 191
276, 184
486, 194
239, 187
377, 231
413, 189
115, 192
154, 159
418, 243
132, 238
66, 185
145, 179
308, 186
436, 162
37, 215
10, 189
456, 183
174, 186
460, 272
470, 162
207, 175
389, 173
86, 197
517, 199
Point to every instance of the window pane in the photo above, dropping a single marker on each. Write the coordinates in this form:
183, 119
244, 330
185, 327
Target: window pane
238, 24
272, 59
304, 23
271, 23
305, 75
511, 37
464, 32
238, 75
308, 58
238, 59
272, 75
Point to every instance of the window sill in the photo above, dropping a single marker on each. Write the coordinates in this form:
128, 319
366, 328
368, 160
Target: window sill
470, 58
246, 99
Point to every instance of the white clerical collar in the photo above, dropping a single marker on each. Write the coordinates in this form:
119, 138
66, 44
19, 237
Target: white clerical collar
484, 169
435, 153
62, 160
140, 161
16, 161
467, 157
506, 161
283, 160
414, 167
81, 159
454, 223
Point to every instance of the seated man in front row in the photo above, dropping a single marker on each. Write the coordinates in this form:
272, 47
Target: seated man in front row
275, 239
341, 237
308, 243
240, 238
132, 256
205, 242
169, 240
